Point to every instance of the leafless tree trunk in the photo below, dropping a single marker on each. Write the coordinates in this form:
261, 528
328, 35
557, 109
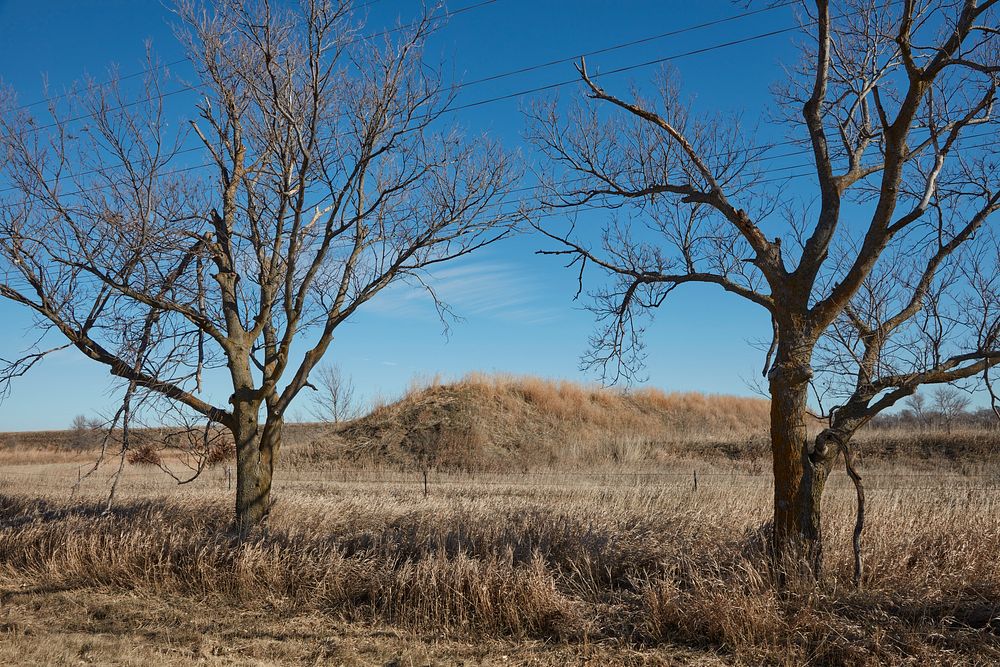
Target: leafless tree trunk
884, 102
329, 177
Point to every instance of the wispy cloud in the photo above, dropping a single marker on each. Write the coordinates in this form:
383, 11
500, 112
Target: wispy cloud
491, 289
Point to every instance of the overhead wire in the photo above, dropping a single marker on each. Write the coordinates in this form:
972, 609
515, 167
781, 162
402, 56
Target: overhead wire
500, 75
551, 86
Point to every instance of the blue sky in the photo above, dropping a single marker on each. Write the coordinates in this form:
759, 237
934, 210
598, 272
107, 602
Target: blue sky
517, 308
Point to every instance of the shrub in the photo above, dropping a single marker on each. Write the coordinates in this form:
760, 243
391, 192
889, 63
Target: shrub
144, 454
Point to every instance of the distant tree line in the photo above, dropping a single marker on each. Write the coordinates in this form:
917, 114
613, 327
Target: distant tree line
945, 409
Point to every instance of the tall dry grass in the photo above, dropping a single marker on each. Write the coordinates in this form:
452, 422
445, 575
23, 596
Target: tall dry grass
637, 566
507, 423
500, 422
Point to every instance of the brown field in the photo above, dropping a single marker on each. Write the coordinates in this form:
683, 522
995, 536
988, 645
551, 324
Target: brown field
568, 531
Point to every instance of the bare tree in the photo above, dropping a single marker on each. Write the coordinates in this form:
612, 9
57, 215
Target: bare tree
330, 176
951, 404
884, 103
917, 407
84, 432
334, 399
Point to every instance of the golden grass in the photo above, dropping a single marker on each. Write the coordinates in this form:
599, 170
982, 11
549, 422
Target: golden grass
652, 569
562, 526
19, 456
506, 423
501, 422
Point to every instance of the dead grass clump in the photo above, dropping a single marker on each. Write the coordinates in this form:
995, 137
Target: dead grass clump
144, 454
733, 611
222, 450
494, 596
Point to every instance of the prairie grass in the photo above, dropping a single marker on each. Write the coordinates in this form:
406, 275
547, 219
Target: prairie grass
637, 568
562, 526
506, 423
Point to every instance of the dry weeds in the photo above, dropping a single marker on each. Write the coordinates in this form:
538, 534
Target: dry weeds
505, 423
596, 551
652, 571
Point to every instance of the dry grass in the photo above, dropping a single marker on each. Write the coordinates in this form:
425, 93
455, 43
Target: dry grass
561, 528
94, 626
20, 456
636, 573
506, 423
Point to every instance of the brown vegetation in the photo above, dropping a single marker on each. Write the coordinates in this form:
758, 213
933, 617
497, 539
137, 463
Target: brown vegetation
509, 423
562, 526
145, 454
648, 571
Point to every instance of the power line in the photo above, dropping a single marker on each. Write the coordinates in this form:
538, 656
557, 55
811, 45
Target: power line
623, 45
627, 68
528, 91
501, 75
180, 61
762, 147
492, 77
656, 61
477, 103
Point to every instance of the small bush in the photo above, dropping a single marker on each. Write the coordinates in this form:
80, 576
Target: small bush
221, 451
144, 454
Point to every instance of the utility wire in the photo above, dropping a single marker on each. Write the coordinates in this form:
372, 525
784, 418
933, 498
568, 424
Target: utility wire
618, 70
500, 75
180, 61
759, 148
623, 45
535, 89
456, 87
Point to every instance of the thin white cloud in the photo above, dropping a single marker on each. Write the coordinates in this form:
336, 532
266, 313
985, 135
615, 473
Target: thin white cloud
490, 289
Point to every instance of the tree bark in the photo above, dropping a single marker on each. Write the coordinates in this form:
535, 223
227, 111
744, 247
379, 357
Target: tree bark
800, 472
256, 448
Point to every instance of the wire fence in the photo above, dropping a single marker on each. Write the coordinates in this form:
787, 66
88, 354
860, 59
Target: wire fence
63, 476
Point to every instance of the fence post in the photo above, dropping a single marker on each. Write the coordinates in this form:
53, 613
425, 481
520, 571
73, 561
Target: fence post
695, 480
425, 482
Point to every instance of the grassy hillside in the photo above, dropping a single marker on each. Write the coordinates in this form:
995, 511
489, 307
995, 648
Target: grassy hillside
505, 423
502, 422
